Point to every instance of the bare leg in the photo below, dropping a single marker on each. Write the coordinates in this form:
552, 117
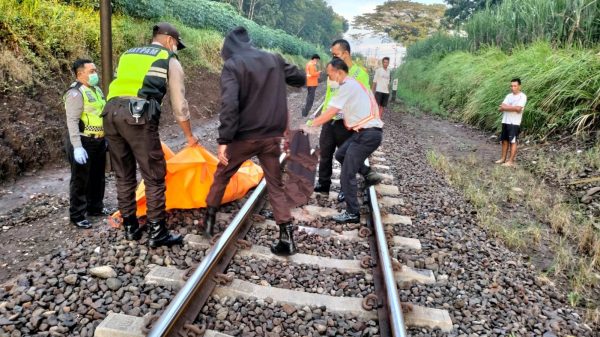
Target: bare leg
504, 152
381, 109
513, 153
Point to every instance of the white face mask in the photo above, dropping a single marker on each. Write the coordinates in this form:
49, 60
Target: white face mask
332, 84
174, 48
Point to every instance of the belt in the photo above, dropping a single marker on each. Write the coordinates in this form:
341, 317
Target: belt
370, 129
93, 136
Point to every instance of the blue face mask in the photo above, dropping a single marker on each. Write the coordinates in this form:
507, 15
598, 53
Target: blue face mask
93, 79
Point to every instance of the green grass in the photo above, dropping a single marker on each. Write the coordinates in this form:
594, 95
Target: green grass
40, 38
562, 86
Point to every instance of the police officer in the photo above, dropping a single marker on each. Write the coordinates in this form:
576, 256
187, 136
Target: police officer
85, 145
131, 119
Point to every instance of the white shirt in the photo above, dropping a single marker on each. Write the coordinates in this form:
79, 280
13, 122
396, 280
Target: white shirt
359, 105
382, 80
510, 117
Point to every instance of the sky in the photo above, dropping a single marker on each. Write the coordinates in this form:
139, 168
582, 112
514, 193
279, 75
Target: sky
369, 46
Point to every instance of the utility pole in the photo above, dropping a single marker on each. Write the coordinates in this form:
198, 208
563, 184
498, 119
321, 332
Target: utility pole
106, 43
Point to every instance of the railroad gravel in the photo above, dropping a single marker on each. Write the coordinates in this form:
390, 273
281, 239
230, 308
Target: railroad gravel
488, 290
251, 317
312, 244
312, 279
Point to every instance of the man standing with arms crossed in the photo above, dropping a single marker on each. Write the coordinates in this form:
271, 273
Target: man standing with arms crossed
253, 118
86, 147
131, 119
334, 133
312, 82
381, 85
512, 114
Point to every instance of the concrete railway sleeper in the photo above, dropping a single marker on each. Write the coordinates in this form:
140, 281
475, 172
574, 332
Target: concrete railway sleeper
336, 285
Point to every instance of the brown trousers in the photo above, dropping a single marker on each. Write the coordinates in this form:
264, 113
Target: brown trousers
130, 142
268, 152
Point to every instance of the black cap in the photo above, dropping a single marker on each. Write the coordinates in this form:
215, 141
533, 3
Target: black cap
166, 28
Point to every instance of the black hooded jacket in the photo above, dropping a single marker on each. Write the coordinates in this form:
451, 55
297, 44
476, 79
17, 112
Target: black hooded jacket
253, 90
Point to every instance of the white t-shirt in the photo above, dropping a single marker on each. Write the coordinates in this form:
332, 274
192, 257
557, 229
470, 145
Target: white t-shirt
382, 80
359, 105
510, 117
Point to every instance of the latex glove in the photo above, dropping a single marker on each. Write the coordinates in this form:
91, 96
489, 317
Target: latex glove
80, 155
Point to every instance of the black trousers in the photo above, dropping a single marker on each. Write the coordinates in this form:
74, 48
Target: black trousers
310, 99
333, 135
352, 155
87, 184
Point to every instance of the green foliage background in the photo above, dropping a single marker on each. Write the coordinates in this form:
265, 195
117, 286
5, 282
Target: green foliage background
466, 78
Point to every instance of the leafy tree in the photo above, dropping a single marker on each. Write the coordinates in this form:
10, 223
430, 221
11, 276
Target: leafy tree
403, 21
461, 10
311, 20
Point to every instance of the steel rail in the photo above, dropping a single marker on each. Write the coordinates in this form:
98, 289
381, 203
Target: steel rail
171, 320
396, 318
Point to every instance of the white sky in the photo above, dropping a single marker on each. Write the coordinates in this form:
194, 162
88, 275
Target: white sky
369, 46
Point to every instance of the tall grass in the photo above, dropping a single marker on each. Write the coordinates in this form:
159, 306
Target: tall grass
438, 44
563, 86
517, 22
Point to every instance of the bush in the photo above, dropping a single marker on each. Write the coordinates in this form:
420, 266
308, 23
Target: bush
561, 85
143, 9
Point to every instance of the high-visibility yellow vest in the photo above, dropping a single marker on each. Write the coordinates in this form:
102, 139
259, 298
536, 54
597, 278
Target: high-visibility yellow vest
93, 104
142, 72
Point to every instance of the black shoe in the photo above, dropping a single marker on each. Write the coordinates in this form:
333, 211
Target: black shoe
346, 217
210, 222
286, 245
373, 178
160, 236
322, 188
102, 212
132, 228
83, 224
341, 197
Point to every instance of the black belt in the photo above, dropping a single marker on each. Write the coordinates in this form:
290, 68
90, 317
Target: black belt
370, 129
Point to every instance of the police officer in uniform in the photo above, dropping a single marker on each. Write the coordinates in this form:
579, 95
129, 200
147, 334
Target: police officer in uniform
85, 145
131, 119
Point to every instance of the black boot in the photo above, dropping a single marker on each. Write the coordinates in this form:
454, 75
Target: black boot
322, 188
160, 236
132, 228
286, 245
210, 221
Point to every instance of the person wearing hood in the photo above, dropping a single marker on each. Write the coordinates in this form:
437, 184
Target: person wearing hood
254, 117
131, 119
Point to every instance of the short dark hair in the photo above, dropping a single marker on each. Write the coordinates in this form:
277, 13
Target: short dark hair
339, 64
345, 45
315, 56
385, 58
78, 64
516, 79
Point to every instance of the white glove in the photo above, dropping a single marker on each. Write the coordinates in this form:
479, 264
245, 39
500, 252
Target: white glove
80, 155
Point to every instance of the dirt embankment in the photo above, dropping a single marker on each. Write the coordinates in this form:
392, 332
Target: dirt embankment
32, 121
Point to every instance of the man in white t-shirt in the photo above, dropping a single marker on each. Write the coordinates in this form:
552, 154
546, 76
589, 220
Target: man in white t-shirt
361, 115
512, 112
381, 85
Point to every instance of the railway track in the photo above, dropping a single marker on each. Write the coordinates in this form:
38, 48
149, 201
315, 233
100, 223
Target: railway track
342, 282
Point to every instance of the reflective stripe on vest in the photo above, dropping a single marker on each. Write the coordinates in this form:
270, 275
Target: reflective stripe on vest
373, 113
142, 72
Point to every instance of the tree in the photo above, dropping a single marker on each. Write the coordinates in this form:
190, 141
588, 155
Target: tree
311, 20
403, 21
461, 10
